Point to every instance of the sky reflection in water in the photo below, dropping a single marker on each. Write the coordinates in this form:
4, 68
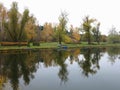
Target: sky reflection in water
72, 69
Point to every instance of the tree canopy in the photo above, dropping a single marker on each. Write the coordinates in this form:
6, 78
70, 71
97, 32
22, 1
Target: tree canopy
18, 27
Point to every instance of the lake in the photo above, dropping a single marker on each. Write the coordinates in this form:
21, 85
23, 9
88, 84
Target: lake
55, 69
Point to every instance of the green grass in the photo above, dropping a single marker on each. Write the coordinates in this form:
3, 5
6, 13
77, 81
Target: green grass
55, 45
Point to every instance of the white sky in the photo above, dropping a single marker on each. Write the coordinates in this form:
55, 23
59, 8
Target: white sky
105, 11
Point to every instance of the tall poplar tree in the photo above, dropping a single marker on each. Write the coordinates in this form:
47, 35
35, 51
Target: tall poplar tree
87, 27
15, 24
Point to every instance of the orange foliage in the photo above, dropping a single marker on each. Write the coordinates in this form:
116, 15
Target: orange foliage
75, 34
46, 34
30, 29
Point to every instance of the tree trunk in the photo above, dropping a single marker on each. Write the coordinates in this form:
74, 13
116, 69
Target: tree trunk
60, 39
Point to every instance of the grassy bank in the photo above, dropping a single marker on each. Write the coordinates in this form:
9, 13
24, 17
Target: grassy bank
55, 45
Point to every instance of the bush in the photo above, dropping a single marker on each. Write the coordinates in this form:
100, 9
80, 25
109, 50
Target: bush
67, 39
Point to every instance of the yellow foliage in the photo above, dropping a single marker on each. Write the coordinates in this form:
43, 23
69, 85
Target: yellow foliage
67, 39
30, 29
2, 81
76, 36
76, 52
46, 34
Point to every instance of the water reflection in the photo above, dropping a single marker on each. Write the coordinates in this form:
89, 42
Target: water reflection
60, 60
23, 64
114, 54
17, 65
90, 63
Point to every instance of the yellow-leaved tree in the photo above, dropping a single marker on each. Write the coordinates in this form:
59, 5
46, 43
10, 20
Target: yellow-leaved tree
47, 34
74, 34
31, 28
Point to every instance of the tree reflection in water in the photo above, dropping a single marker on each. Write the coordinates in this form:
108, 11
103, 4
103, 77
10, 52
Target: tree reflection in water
60, 60
22, 64
17, 65
114, 54
90, 63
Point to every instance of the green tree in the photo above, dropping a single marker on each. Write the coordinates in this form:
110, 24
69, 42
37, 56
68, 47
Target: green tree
61, 28
96, 33
113, 36
15, 25
87, 27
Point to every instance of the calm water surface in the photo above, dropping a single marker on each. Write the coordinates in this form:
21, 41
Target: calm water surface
49, 69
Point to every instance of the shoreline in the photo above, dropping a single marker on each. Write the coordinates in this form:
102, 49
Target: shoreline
54, 46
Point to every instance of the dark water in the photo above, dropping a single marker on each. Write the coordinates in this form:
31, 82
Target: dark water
49, 69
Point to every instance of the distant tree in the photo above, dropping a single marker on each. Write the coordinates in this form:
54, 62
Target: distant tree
103, 38
87, 27
82, 32
113, 36
47, 33
74, 34
15, 24
96, 33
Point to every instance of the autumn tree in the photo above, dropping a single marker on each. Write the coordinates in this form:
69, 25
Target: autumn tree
47, 33
87, 27
15, 25
30, 29
3, 16
74, 34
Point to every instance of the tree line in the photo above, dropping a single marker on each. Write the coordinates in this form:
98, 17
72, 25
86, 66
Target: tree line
20, 27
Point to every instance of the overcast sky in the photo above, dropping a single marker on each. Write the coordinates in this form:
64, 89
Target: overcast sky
105, 11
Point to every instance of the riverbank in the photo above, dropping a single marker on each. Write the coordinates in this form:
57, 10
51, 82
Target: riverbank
55, 45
